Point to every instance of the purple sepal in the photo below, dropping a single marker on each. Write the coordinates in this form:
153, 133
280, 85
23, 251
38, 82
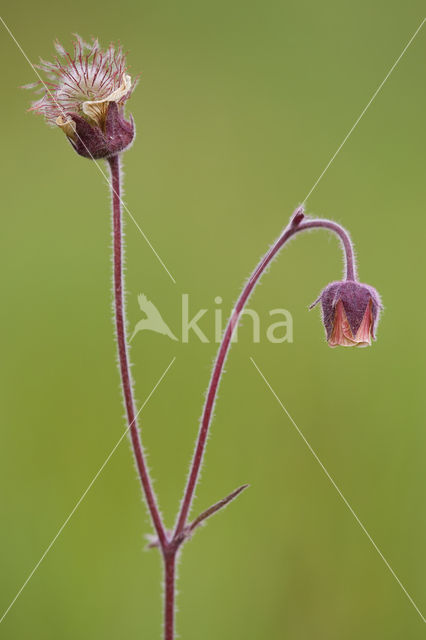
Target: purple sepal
92, 142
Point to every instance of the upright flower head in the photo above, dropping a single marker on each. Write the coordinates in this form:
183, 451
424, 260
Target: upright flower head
350, 313
84, 94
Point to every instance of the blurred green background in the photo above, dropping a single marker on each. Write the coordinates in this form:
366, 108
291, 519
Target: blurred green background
239, 108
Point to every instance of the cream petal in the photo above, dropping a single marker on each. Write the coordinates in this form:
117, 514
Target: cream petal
67, 126
342, 335
96, 109
363, 335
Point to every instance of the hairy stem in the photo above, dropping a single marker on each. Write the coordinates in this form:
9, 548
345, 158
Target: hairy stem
169, 547
123, 356
169, 594
292, 229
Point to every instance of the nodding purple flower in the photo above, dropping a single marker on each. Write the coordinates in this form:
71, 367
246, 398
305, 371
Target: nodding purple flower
350, 313
84, 94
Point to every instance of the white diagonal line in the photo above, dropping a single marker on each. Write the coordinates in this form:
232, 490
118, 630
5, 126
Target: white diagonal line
78, 503
123, 204
366, 107
339, 492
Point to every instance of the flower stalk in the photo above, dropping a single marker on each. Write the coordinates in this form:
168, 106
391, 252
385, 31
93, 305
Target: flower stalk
297, 225
123, 356
168, 549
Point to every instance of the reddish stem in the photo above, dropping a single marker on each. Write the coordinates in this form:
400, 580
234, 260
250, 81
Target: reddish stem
169, 548
296, 225
169, 592
123, 356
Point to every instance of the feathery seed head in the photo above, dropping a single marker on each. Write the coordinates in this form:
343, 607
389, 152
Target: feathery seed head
84, 94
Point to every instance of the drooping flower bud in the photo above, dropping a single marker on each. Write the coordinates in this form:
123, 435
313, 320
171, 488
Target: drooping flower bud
350, 313
84, 95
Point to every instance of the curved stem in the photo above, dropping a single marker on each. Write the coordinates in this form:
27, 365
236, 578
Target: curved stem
289, 231
126, 381
350, 265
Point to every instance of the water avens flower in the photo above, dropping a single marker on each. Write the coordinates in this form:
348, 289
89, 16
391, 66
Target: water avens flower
350, 313
84, 94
